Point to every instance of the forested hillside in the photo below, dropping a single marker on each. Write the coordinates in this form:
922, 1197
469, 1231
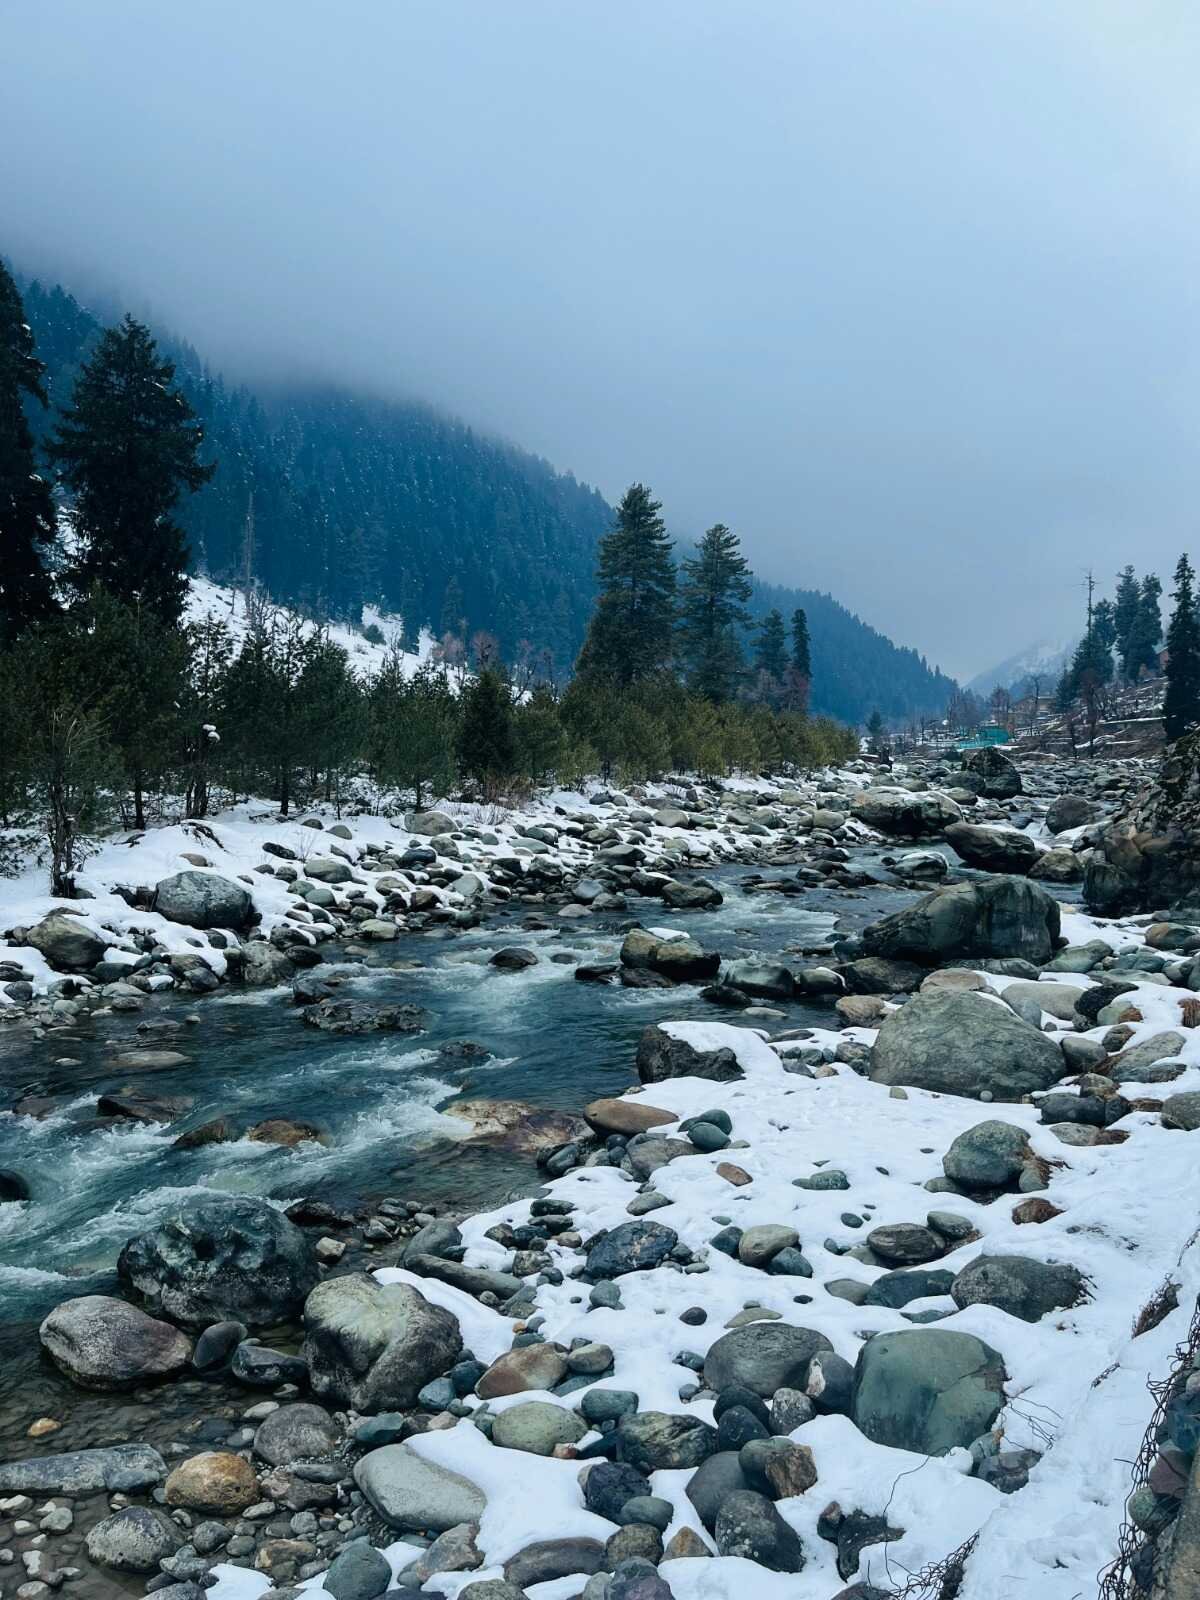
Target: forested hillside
359, 500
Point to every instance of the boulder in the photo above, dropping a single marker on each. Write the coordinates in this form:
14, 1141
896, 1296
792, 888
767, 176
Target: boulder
66, 942
991, 1155
903, 814
653, 1441
992, 849
101, 1342
766, 980
1019, 1285
412, 1494
749, 1526
217, 1483
962, 1043
999, 778
118, 1468
927, 1389
134, 1539
1182, 1111
357, 1572
537, 1427
529, 1366
637, 1246
203, 900
429, 824
1069, 811
359, 1016
374, 1346
763, 1357
547, 1560
626, 1116
659, 1057
220, 1258
295, 1432
1148, 856
995, 917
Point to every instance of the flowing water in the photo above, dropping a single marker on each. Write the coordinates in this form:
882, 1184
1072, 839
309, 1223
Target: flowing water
549, 1040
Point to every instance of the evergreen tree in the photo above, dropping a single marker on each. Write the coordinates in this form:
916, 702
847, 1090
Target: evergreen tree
1181, 703
413, 728
877, 741
540, 735
716, 585
1125, 614
801, 649
1104, 625
26, 509
1146, 631
487, 747
127, 446
771, 655
630, 635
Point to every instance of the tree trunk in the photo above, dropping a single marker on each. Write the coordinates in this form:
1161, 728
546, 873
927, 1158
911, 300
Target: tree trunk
62, 845
284, 793
139, 803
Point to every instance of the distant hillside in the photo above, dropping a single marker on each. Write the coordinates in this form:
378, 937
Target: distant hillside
1046, 659
360, 501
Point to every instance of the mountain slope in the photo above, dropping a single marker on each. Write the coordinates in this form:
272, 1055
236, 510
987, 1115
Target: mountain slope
1046, 659
361, 501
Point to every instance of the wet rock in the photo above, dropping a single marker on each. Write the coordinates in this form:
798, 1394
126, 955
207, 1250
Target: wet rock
104, 1343
1069, 811
203, 900
123, 1468
998, 917
216, 1482
134, 1539
260, 1367
373, 1345
626, 1116
653, 1441
357, 1016
13, 1187
992, 849
903, 814
295, 1433
1019, 1285
549, 1559
927, 1389
659, 1057
764, 980
515, 1126
216, 1258
637, 1246
964, 1044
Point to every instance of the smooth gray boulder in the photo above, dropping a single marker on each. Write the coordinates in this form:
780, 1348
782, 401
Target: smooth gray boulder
992, 849
537, 1426
994, 917
374, 1346
1021, 1286
217, 1258
927, 1389
203, 900
134, 1539
991, 1155
412, 1494
67, 943
902, 813
101, 1342
962, 1043
763, 1357
117, 1468
297, 1432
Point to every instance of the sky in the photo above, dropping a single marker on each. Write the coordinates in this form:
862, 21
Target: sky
904, 291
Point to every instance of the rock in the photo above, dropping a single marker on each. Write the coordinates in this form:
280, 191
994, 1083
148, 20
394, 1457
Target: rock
1135, 1065
713, 1482
120, 1468
530, 1366
685, 961
653, 1441
357, 1572
759, 1245
991, 1155
216, 1345
295, 1433
491, 1589
263, 966
749, 1526
357, 1016
13, 1187
429, 824
626, 1116
217, 1258
134, 1539
927, 1389
996, 917
514, 958
900, 1288
550, 1559
216, 1482
877, 975
992, 849
1000, 779
637, 1246
765, 980
455, 1550
536, 1426
516, 1126
1182, 1111
1035, 1209
696, 896
778, 1468
413, 1494
1023, 1287
659, 1057
326, 869
1148, 855
763, 1357
963, 1044
373, 1346
903, 814
906, 1244
860, 1010
608, 1486
66, 942
1069, 811
1057, 866
1057, 999
104, 1343
203, 900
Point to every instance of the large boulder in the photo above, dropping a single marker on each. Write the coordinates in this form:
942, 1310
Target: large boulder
963, 1043
1069, 811
763, 1357
412, 1494
217, 1258
991, 1155
927, 1389
373, 1345
218, 1483
203, 900
637, 1246
903, 814
999, 779
659, 1057
992, 849
104, 1343
653, 1441
1149, 854
995, 917
67, 943
1019, 1285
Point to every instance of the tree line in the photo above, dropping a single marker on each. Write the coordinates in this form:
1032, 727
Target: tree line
114, 703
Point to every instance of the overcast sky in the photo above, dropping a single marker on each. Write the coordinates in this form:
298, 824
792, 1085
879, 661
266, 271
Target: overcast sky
905, 291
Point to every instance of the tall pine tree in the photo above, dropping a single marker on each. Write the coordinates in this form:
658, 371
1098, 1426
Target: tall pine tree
487, 746
629, 638
1125, 613
716, 586
1181, 703
26, 509
1146, 630
126, 447
771, 654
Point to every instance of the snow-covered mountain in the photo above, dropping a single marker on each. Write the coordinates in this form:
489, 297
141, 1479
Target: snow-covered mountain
1046, 658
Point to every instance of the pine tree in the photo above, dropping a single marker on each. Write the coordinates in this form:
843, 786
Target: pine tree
26, 509
1125, 614
630, 634
1181, 703
540, 735
716, 585
1146, 631
771, 655
877, 741
801, 656
127, 446
487, 747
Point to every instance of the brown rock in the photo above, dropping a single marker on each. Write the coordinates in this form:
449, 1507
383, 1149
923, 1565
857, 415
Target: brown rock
684, 1545
735, 1175
1035, 1209
532, 1366
626, 1116
514, 1125
216, 1482
283, 1131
